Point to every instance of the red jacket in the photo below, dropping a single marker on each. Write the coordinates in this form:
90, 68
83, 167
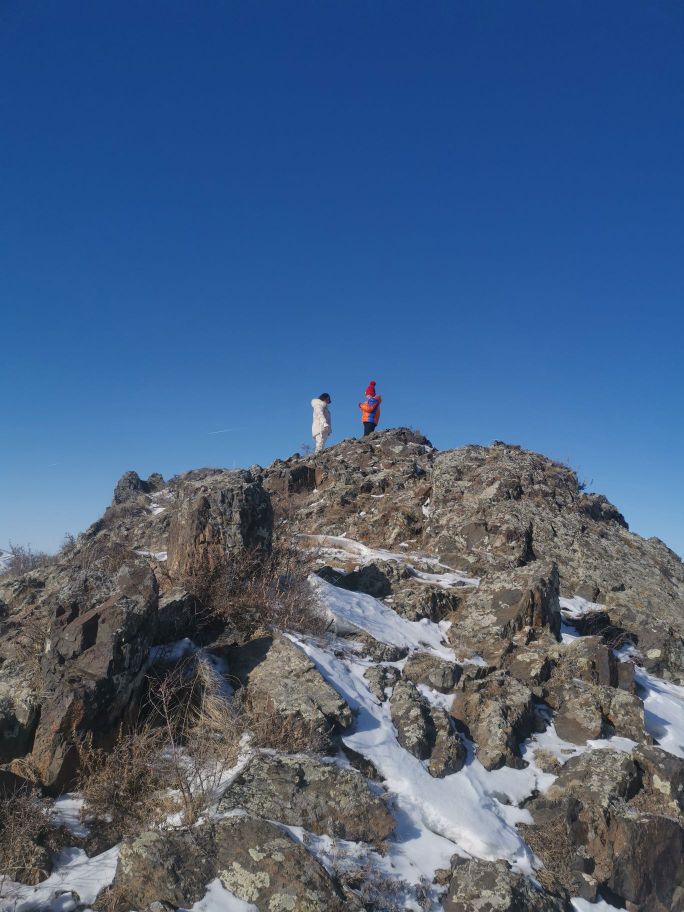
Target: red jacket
370, 409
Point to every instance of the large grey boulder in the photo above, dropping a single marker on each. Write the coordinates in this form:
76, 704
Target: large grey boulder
587, 711
425, 731
504, 606
302, 791
491, 886
217, 516
93, 668
287, 684
254, 859
498, 711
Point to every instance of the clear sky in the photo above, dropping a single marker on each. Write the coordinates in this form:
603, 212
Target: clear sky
211, 212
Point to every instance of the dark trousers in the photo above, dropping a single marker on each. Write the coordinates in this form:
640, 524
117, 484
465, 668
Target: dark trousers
368, 428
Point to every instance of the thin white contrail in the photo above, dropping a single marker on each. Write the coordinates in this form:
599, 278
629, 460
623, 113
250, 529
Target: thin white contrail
224, 431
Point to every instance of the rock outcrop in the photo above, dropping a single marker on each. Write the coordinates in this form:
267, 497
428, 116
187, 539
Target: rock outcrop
321, 797
460, 648
252, 858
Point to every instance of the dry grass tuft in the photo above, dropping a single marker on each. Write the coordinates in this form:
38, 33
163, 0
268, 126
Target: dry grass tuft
25, 837
124, 787
261, 591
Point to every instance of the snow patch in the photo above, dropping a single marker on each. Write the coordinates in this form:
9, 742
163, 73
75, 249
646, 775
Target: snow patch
219, 899
663, 710
352, 612
73, 871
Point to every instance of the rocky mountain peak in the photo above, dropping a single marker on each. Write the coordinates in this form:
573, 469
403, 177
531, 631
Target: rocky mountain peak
430, 674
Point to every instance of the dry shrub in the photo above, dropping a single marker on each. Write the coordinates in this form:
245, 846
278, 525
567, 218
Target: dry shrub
124, 786
260, 591
102, 554
23, 559
202, 729
25, 837
267, 728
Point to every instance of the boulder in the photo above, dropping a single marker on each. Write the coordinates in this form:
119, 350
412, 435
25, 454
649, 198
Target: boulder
426, 731
598, 778
425, 668
19, 708
302, 791
381, 677
131, 486
588, 711
491, 886
647, 861
287, 683
663, 774
504, 606
498, 711
93, 668
217, 516
254, 859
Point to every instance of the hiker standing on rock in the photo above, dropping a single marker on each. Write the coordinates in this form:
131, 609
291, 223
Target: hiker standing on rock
370, 409
322, 422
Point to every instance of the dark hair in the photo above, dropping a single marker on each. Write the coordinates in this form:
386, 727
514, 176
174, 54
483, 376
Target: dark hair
325, 396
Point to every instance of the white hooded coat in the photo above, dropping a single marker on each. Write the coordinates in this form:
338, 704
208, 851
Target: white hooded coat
322, 423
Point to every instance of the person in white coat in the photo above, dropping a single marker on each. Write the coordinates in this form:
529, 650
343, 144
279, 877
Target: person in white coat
322, 422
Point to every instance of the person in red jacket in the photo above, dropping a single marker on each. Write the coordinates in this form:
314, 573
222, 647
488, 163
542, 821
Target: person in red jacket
370, 409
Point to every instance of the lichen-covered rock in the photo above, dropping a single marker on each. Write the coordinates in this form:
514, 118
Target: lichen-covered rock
381, 677
504, 605
287, 683
19, 708
217, 515
587, 711
491, 886
499, 713
428, 669
597, 777
425, 731
647, 861
252, 858
93, 667
663, 773
302, 791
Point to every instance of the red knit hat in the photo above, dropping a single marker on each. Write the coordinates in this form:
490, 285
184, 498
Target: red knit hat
370, 389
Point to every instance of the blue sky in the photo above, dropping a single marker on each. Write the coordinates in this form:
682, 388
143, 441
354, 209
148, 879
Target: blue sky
211, 212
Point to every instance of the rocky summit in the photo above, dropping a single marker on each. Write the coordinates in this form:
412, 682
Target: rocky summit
380, 677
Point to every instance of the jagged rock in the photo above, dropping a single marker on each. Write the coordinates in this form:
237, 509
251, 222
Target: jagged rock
420, 600
663, 773
637, 856
217, 516
533, 663
504, 605
425, 731
19, 709
499, 713
381, 652
252, 858
372, 579
130, 486
287, 683
320, 797
93, 668
590, 659
586, 711
412, 720
379, 678
425, 668
491, 886
373, 487
647, 861
597, 777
